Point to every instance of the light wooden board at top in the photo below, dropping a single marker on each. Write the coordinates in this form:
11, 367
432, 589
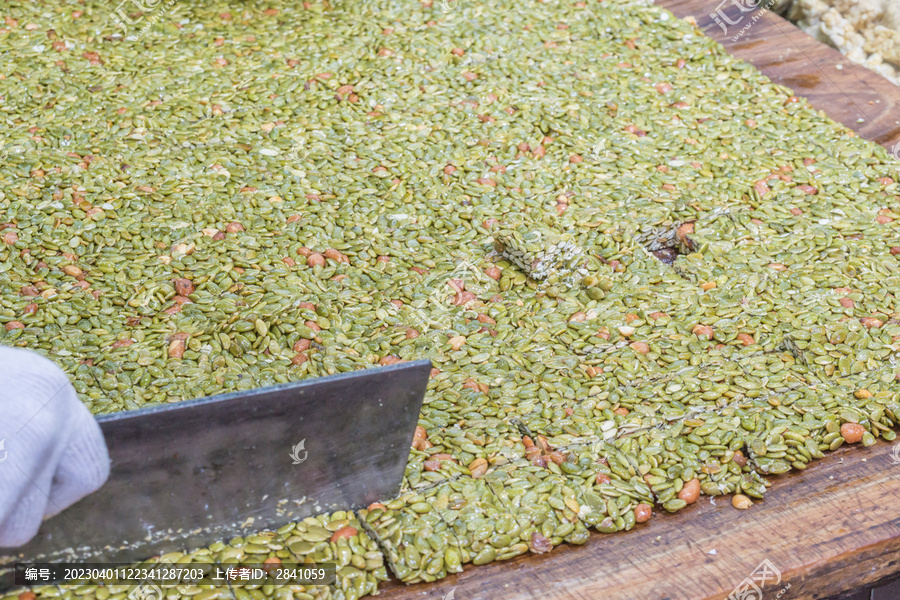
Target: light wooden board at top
831, 528
851, 94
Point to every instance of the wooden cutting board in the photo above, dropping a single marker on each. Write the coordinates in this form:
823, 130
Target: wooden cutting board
832, 528
848, 93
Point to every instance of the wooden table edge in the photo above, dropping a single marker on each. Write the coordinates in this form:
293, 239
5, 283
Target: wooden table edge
839, 519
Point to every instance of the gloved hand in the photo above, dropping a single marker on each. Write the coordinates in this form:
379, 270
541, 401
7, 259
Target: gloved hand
52, 451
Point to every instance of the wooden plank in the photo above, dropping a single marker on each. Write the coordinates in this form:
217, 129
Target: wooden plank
832, 528
850, 94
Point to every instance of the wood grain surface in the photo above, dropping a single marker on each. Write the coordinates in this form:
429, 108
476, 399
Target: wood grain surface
832, 528
851, 94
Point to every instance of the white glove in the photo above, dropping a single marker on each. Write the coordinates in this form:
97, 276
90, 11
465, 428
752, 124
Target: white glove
52, 451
